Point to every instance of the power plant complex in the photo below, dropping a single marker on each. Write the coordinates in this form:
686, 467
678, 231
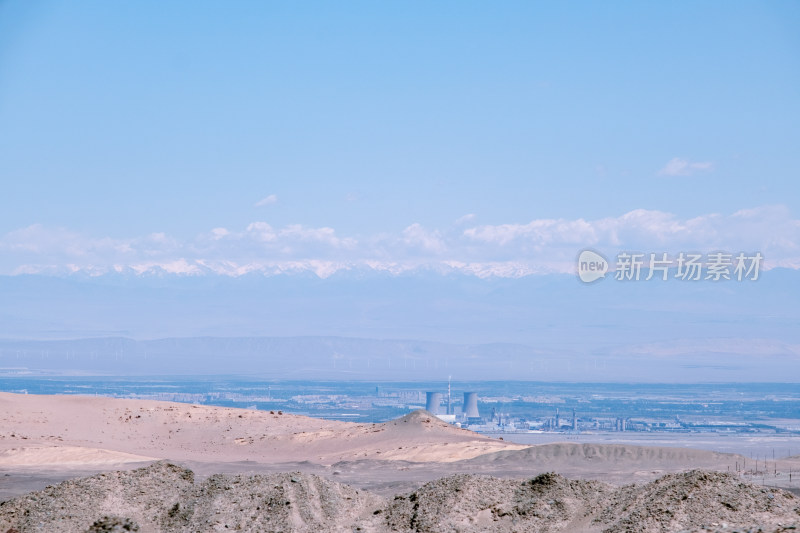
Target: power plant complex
467, 414
468, 411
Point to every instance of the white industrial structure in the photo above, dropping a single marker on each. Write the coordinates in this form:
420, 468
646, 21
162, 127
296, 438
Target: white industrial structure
433, 400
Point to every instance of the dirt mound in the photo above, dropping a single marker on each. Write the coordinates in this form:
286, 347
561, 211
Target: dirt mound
692, 501
699, 500
166, 498
470, 503
275, 502
420, 416
650, 456
420, 422
77, 505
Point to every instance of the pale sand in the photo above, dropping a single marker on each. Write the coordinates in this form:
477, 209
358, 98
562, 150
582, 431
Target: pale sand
66, 456
182, 432
44, 439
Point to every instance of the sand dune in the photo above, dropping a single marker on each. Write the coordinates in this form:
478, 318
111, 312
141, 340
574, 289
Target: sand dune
46, 439
614, 463
183, 432
608, 454
66, 456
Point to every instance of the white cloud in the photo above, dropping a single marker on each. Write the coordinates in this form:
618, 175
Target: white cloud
42, 240
261, 231
537, 232
268, 200
683, 167
219, 233
416, 236
327, 236
503, 250
770, 230
469, 217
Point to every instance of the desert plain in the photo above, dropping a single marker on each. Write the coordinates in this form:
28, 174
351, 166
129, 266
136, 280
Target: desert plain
81, 463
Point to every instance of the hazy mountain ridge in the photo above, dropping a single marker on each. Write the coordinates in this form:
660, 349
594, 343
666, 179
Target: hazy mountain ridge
317, 267
534, 327
383, 359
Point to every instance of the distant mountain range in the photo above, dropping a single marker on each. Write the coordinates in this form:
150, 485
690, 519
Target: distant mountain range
301, 325
321, 358
316, 267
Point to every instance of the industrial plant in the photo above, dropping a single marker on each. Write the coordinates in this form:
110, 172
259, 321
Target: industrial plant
465, 415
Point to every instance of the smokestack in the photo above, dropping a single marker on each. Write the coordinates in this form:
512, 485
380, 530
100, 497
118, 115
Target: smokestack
449, 405
471, 405
432, 402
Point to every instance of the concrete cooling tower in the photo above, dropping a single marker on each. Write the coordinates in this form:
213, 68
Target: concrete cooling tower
432, 402
471, 405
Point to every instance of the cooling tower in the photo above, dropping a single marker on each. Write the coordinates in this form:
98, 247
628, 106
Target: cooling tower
471, 405
432, 402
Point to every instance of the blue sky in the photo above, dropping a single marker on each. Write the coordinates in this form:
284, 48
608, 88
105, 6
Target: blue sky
145, 132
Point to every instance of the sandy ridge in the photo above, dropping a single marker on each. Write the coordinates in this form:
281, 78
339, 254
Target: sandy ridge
183, 432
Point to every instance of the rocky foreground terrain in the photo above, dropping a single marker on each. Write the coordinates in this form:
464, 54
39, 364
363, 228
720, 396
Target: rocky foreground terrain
164, 497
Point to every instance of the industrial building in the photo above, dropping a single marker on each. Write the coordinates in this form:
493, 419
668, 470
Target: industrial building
470, 407
433, 401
